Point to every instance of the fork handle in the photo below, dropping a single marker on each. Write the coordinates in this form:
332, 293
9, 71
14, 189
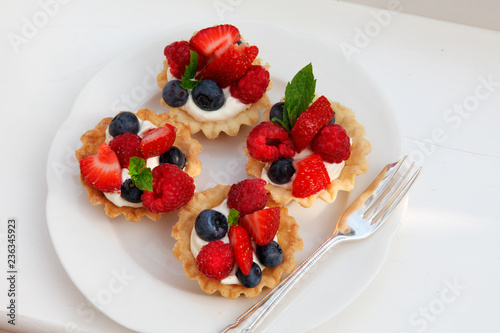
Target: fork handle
254, 316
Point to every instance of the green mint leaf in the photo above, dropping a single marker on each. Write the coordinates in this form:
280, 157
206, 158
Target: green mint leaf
285, 125
140, 174
233, 217
187, 79
299, 93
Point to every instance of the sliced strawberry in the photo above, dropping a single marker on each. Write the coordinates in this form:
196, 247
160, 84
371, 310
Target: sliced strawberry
102, 170
311, 178
262, 225
156, 141
228, 68
215, 39
310, 122
251, 52
242, 248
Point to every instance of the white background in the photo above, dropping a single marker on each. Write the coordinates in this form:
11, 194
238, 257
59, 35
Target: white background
426, 68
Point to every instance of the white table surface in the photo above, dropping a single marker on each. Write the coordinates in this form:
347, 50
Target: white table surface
428, 70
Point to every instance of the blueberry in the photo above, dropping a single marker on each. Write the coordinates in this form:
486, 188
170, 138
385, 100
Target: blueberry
174, 95
281, 171
124, 122
252, 279
270, 255
173, 156
276, 112
130, 192
211, 225
208, 95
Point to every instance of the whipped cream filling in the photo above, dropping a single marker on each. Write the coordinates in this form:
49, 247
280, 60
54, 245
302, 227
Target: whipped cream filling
196, 243
231, 107
152, 162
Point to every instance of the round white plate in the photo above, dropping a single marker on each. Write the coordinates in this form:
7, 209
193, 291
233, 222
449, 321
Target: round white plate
127, 269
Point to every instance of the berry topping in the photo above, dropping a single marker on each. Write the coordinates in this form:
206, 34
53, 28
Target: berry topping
251, 52
172, 189
242, 248
281, 171
252, 279
215, 39
130, 192
125, 146
311, 178
262, 225
178, 57
276, 112
251, 86
215, 260
174, 95
247, 196
208, 95
310, 122
102, 170
156, 141
270, 255
211, 225
332, 144
173, 156
124, 122
229, 67
267, 142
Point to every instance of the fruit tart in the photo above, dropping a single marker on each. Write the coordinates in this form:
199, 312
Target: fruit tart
214, 82
139, 164
307, 147
231, 239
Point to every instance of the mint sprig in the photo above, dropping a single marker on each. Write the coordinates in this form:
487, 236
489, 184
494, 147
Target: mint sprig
190, 72
233, 217
140, 174
299, 93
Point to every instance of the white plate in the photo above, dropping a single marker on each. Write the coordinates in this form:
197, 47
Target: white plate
127, 270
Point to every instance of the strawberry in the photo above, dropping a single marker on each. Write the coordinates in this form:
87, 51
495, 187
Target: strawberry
102, 170
215, 39
126, 146
215, 260
251, 52
310, 122
227, 68
156, 141
311, 178
262, 225
242, 248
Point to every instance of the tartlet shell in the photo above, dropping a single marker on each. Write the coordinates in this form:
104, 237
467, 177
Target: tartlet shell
93, 138
288, 238
212, 129
357, 163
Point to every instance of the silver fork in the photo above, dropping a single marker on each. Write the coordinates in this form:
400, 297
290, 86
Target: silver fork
365, 215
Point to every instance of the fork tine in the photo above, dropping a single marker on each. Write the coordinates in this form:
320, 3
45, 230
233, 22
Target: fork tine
388, 209
391, 171
383, 198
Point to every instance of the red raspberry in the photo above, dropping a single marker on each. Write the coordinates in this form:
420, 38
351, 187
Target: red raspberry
251, 86
332, 144
215, 260
268, 142
172, 189
310, 122
178, 55
126, 146
247, 196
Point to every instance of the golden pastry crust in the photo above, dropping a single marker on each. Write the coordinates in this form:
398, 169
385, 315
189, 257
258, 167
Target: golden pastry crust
288, 236
96, 136
212, 129
357, 163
